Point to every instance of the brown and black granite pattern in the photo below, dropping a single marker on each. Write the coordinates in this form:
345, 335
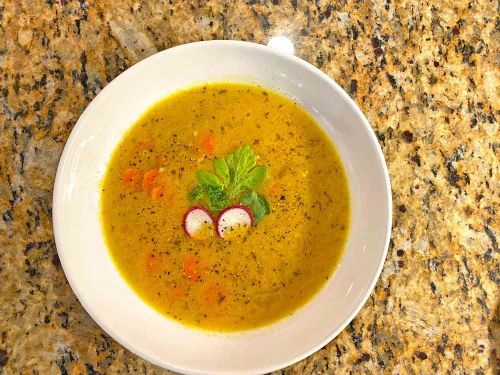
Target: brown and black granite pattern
426, 74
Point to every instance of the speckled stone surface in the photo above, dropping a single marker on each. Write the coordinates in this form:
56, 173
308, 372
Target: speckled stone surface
426, 74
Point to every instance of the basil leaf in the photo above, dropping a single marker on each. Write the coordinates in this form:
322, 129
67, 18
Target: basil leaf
263, 201
222, 170
259, 207
230, 166
254, 179
240, 164
243, 161
235, 174
246, 199
207, 178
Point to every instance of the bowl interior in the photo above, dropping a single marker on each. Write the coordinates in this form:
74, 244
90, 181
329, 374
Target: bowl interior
96, 281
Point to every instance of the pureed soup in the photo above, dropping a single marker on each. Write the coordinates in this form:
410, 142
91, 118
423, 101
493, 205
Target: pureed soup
225, 207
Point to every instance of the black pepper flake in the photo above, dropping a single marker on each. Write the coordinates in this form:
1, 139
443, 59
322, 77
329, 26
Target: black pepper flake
455, 30
400, 252
402, 208
401, 264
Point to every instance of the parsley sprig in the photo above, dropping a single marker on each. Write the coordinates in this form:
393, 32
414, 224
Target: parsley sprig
236, 179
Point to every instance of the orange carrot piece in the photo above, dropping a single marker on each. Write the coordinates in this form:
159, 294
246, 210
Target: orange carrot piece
149, 179
171, 196
131, 178
143, 144
190, 267
208, 144
157, 193
275, 189
175, 293
215, 294
152, 262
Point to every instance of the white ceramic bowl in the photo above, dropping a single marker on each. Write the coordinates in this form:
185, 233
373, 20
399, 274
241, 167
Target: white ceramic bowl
106, 296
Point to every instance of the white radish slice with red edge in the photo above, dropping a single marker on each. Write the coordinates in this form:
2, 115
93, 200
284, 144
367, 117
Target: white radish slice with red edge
196, 222
233, 218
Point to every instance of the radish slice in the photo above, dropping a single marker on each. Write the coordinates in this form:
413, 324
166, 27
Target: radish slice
198, 223
232, 219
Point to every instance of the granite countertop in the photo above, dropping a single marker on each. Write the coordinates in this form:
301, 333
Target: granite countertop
426, 75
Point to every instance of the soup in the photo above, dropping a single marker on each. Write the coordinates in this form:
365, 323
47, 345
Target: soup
225, 207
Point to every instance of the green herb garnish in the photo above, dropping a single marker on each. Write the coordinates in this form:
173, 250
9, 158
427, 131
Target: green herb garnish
236, 179
257, 203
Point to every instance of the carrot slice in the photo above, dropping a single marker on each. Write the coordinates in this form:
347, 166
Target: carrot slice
143, 144
149, 179
190, 267
131, 178
152, 262
208, 144
171, 196
215, 294
175, 293
276, 188
157, 193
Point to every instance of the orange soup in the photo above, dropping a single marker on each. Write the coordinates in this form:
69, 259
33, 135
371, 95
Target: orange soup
225, 207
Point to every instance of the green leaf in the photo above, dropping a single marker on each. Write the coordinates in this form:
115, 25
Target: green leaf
230, 165
207, 178
263, 201
222, 170
235, 174
217, 197
254, 179
240, 164
246, 199
244, 159
196, 194
257, 203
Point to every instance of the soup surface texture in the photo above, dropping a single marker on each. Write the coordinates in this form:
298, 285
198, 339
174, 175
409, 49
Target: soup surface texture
259, 275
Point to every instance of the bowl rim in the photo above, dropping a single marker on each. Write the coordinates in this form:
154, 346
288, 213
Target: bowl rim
56, 217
